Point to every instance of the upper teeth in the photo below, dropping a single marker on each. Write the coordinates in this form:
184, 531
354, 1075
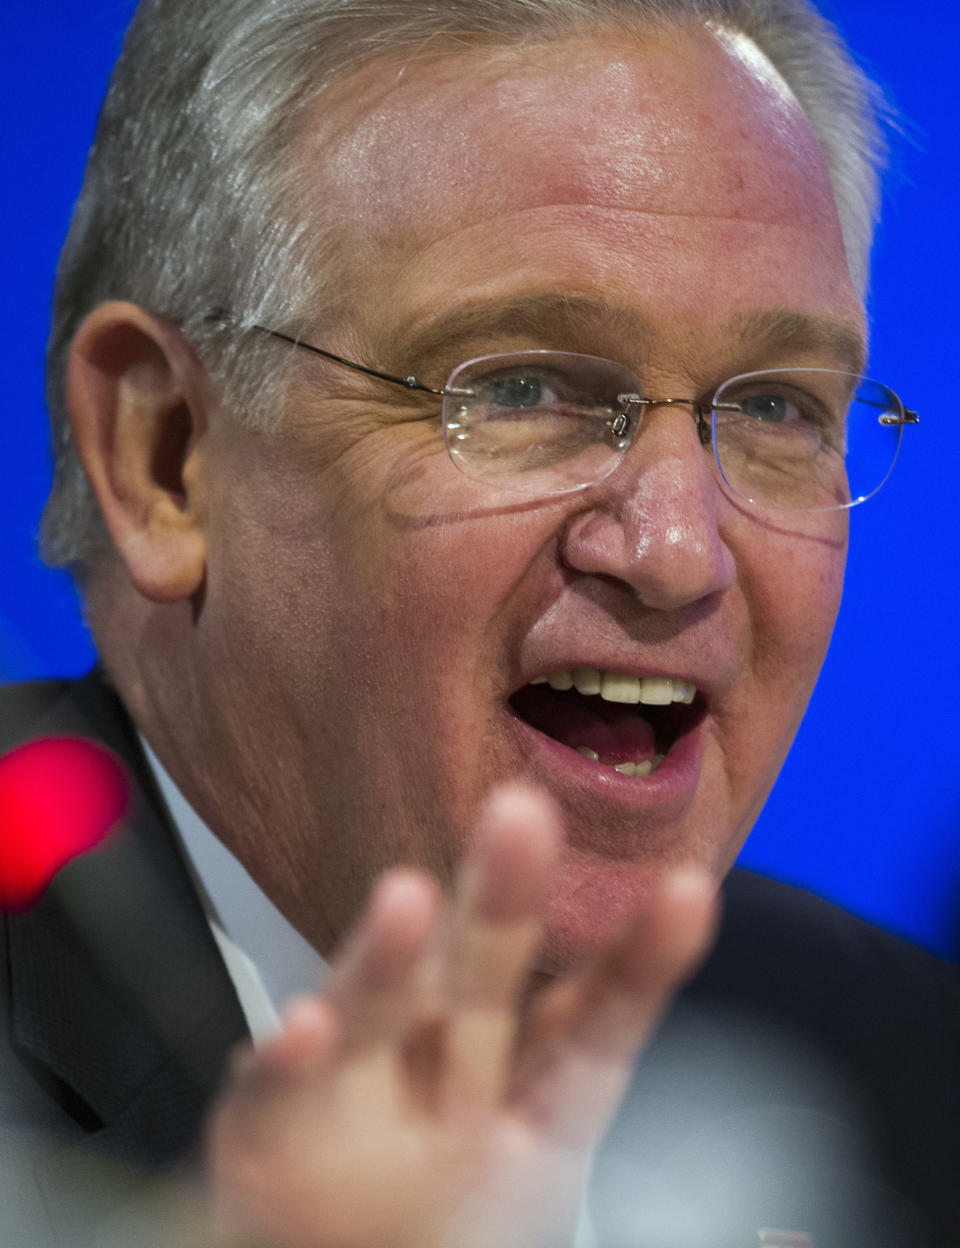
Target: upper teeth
615, 687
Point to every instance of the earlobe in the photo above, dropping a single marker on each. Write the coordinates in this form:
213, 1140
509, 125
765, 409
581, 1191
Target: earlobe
137, 400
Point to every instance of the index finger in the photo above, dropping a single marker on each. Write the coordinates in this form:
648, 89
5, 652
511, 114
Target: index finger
494, 932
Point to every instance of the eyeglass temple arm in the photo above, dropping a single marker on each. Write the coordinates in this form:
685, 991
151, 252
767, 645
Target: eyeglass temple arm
409, 383
909, 417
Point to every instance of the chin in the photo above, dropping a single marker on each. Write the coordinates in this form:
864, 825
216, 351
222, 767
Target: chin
593, 899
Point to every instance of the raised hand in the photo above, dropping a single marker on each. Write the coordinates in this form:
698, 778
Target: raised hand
432, 1098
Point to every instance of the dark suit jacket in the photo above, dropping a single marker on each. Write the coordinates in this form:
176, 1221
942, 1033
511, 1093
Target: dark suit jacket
118, 1008
808, 1077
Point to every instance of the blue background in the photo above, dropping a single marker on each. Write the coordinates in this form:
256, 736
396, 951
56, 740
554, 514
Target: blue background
867, 810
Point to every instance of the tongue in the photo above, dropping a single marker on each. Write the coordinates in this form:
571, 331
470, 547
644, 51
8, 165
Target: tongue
617, 733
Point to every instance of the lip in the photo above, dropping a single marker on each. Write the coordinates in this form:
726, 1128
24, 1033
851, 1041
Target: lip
664, 795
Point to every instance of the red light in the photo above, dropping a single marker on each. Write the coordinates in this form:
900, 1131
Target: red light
59, 797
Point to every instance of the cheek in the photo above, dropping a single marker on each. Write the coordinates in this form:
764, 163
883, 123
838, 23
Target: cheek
271, 581
303, 560
451, 592
792, 587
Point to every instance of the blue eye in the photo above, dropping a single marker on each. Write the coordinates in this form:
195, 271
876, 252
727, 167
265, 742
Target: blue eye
517, 392
772, 408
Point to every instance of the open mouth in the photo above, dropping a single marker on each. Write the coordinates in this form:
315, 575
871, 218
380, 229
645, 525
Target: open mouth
624, 722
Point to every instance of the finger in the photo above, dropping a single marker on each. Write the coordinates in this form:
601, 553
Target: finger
266, 1085
375, 985
266, 1113
494, 932
586, 1033
306, 1042
368, 1005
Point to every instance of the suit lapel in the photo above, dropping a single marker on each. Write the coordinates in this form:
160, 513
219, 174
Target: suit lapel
118, 995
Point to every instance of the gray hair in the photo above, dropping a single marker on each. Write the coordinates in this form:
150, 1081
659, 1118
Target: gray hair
192, 202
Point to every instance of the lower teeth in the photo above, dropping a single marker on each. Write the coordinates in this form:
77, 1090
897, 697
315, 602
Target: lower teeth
626, 769
635, 769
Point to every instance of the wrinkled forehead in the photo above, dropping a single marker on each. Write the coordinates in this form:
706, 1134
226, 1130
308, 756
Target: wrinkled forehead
685, 121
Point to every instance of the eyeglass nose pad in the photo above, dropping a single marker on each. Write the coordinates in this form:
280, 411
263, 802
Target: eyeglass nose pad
621, 426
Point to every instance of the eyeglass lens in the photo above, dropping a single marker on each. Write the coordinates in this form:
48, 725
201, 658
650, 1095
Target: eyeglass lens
537, 422
543, 423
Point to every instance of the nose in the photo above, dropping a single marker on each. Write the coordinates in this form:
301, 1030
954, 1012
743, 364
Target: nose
654, 523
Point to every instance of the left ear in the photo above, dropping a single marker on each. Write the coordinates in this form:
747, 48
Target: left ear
138, 400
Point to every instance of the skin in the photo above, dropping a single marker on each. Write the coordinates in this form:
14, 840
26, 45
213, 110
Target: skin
414, 1068
318, 629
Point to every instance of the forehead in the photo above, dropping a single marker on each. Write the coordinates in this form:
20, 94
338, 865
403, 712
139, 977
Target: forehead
575, 163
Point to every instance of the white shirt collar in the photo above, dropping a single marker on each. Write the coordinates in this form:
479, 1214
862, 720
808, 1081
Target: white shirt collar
266, 957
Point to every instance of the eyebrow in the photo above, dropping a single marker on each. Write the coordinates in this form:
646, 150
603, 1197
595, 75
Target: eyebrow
549, 315
784, 329
760, 335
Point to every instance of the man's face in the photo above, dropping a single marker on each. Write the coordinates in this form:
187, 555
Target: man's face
371, 614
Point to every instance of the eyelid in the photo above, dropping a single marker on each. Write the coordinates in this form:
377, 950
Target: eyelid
818, 410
